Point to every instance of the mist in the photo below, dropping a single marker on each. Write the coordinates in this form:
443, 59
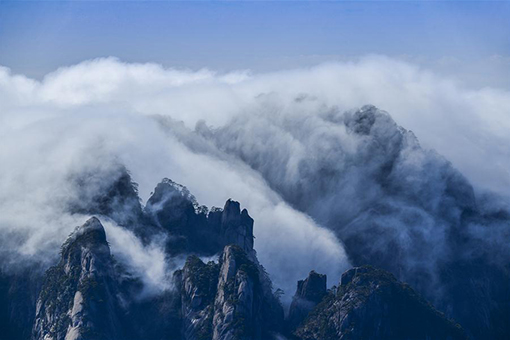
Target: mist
280, 143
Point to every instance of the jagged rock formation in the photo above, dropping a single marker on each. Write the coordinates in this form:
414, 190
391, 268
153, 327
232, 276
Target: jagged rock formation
371, 304
232, 299
192, 227
237, 226
197, 285
87, 295
308, 294
229, 300
78, 297
244, 307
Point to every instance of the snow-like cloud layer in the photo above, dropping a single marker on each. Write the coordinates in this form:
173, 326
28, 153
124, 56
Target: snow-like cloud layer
101, 113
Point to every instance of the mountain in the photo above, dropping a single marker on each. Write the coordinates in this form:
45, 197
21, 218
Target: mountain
403, 210
309, 293
229, 300
194, 228
89, 295
369, 304
78, 299
83, 297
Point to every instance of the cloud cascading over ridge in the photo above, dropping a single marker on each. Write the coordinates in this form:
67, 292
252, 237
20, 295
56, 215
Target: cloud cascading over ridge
168, 123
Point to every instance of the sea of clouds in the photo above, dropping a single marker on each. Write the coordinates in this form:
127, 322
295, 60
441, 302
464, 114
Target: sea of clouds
159, 122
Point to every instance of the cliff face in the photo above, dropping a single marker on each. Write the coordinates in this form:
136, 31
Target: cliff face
197, 285
193, 228
84, 297
308, 294
78, 296
229, 300
371, 304
244, 307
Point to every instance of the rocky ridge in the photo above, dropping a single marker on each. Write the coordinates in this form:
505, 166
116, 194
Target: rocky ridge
370, 303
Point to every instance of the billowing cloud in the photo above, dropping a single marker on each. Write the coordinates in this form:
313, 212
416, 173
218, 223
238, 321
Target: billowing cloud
249, 137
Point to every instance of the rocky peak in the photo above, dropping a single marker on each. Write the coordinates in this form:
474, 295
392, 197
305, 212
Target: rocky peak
170, 193
169, 204
175, 211
371, 304
78, 296
86, 248
90, 234
198, 284
313, 288
237, 226
192, 227
244, 307
308, 294
228, 300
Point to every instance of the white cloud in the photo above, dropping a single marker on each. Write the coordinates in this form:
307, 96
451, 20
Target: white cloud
93, 114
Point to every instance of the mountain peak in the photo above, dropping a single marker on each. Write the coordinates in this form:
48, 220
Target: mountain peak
313, 287
309, 293
91, 224
90, 234
168, 192
237, 226
78, 297
371, 304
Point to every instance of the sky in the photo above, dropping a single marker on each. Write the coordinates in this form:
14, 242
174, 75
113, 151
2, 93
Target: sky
469, 40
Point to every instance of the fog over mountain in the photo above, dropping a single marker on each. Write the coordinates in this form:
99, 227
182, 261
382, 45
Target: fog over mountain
344, 164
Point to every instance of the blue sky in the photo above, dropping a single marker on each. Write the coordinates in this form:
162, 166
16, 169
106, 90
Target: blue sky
38, 37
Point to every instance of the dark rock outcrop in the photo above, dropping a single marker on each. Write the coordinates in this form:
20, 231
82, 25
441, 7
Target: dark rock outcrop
88, 295
194, 229
371, 304
236, 226
197, 285
78, 299
308, 294
229, 300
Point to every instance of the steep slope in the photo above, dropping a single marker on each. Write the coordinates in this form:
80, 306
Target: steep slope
78, 299
372, 304
197, 283
192, 227
244, 307
90, 296
229, 300
232, 299
309, 293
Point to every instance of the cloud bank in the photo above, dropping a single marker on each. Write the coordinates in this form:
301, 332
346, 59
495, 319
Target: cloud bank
250, 137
